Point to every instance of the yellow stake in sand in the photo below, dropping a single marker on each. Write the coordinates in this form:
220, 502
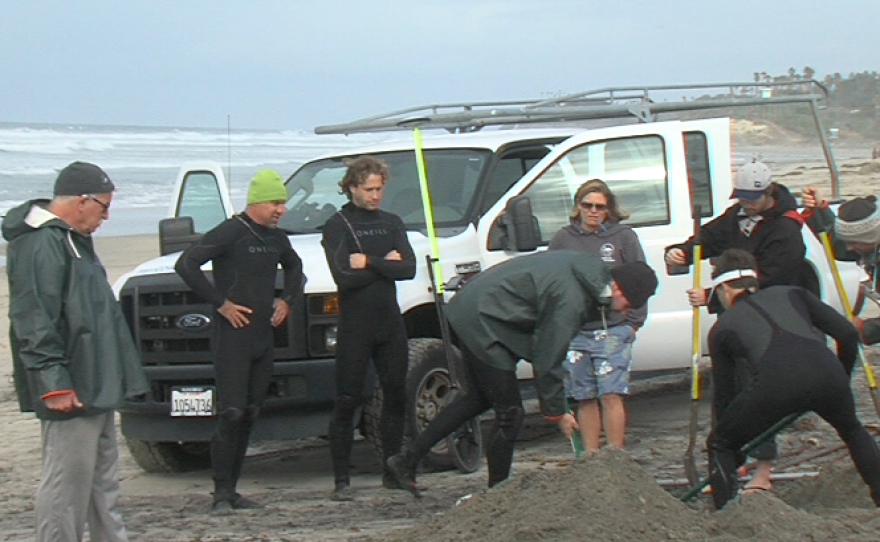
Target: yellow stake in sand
428, 208
844, 300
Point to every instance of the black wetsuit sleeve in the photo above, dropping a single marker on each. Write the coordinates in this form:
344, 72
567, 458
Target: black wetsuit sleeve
831, 322
338, 257
404, 269
294, 279
215, 243
722, 348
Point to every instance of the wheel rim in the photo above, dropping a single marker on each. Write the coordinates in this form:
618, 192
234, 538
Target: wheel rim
434, 393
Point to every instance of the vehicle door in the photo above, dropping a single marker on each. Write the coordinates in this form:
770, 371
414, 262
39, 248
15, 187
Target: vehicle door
201, 192
653, 169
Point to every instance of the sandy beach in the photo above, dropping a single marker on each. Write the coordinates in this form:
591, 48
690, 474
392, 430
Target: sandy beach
294, 479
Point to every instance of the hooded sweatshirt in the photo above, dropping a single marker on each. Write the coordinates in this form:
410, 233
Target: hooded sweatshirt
774, 240
67, 331
615, 244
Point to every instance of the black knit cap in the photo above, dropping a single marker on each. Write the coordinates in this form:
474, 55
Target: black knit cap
637, 281
82, 178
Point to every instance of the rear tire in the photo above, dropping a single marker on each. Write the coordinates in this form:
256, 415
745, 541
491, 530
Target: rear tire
159, 457
428, 389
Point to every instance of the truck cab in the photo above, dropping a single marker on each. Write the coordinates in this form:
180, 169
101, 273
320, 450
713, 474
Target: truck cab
496, 194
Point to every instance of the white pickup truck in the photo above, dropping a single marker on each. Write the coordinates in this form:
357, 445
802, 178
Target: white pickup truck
497, 194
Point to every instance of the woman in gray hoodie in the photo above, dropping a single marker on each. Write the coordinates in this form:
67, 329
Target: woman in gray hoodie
600, 361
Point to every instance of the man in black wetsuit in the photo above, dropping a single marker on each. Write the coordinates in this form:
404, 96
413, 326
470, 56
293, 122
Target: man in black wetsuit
367, 250
791, 370
245, 250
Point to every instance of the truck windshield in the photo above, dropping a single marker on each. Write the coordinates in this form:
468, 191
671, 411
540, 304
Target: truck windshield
453, 176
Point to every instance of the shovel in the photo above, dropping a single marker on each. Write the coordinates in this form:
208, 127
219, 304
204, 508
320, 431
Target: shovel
754, 443
690, 463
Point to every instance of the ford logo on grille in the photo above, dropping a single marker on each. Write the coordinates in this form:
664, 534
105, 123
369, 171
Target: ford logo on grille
192, 322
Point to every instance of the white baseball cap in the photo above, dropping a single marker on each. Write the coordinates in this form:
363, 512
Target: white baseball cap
752, 180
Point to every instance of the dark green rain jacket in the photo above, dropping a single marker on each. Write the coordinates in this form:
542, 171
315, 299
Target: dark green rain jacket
531, 308
66, 329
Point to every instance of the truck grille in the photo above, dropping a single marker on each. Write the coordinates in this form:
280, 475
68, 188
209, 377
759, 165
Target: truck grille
173, 326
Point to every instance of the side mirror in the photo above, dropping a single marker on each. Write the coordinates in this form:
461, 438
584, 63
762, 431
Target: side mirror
176, 234
516, 229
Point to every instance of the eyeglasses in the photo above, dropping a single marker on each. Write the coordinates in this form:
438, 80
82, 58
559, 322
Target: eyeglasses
105, 206
587, 206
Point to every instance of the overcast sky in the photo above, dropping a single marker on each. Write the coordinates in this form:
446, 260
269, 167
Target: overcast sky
296, 64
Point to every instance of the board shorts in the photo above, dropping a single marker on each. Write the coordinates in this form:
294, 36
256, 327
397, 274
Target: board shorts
599, 362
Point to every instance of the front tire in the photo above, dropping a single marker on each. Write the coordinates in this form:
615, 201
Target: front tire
429, 389
163, 457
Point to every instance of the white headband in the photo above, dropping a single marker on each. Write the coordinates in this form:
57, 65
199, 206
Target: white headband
733, 275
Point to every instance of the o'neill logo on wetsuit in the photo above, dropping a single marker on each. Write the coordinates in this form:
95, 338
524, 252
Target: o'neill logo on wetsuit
263, 250
192, 322
372, 232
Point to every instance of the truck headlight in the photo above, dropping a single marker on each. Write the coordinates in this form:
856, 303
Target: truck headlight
330, 338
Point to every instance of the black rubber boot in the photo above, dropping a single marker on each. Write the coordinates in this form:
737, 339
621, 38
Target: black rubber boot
502, 438
398, 472
342, 491
341, 436
224, 450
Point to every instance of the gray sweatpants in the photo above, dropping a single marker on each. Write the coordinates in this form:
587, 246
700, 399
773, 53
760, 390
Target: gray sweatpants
80, 481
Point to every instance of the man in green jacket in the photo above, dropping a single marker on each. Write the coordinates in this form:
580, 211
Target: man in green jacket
74, 359
527, 308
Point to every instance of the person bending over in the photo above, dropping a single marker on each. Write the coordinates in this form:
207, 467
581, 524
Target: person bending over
771, 335
528, 308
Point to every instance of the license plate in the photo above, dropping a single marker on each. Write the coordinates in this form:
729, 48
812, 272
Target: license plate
192, 401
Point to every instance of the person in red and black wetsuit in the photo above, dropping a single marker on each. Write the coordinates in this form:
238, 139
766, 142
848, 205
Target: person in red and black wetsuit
771, 335
368, 251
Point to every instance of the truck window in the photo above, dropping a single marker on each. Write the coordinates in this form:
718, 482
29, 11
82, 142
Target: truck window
200, 199
699, 176
634, 168
509, 169
453, 175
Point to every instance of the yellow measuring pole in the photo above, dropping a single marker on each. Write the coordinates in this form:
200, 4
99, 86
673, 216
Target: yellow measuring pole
695, 329
428, 208
844, 300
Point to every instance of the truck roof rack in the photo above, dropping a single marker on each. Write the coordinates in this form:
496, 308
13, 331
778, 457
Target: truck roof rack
603, 103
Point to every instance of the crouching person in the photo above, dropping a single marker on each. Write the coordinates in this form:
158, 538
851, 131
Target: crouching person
790, 370
528, 308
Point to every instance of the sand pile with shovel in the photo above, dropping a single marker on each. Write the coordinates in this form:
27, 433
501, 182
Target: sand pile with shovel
608, 496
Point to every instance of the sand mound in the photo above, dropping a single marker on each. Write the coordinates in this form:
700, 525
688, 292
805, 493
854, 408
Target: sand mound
763, 517
605, 496
838, 486
608, 496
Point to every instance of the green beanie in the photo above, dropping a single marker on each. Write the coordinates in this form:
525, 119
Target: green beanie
266, 186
